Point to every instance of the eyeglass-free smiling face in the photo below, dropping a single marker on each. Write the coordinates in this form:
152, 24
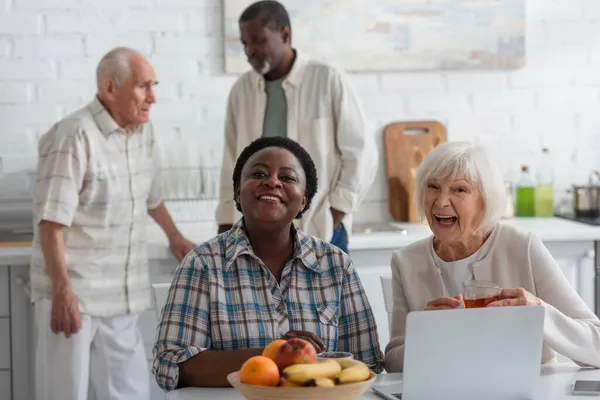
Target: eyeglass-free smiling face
453, 208
272, 187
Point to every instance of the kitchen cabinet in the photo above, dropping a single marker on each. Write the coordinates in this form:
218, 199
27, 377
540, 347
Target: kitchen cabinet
5, 384
22, 333
370, 277
5, 344
4, 293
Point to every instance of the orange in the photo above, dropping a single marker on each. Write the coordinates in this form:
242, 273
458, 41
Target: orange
261, 371
270, 350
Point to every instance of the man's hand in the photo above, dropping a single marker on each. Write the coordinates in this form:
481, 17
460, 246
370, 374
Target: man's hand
64, 311
180, 246
337, 217
64, 315
309, 337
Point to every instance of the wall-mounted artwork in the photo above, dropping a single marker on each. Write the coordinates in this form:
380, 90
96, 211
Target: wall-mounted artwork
397, 35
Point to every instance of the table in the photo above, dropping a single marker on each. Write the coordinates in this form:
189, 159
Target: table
556, 382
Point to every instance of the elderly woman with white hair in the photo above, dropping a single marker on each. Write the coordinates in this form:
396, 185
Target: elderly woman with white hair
462, 196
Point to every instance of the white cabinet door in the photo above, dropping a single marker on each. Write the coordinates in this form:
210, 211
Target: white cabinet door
147, 326
370, 277
22, 333
4, 343
584, 280
155, 392
5, 385
4, 292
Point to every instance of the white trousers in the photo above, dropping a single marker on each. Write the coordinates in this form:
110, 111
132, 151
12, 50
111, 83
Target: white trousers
108, 352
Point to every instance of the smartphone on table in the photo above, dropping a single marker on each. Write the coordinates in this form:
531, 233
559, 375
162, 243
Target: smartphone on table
586, 388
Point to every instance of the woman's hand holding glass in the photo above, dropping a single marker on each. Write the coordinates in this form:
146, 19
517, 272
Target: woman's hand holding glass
515, 297
444, 303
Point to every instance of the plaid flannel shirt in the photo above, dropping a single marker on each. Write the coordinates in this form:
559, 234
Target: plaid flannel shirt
224, 298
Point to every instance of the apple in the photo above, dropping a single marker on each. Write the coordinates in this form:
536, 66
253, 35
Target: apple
295, 351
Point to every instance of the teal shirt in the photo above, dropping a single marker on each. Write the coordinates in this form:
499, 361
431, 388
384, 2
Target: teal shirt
275, 122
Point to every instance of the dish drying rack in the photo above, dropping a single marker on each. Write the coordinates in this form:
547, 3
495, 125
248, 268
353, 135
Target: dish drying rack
16, 200
191, 194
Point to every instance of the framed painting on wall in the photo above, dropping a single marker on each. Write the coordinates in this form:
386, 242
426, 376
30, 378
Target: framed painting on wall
396, 35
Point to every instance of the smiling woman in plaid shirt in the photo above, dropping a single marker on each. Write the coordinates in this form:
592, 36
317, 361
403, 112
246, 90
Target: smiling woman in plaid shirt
262, 280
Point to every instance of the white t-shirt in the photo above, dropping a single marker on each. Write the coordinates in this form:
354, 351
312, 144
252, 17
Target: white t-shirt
454, 273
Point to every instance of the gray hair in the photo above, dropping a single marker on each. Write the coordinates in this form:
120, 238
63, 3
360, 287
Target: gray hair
115, 65
452, 159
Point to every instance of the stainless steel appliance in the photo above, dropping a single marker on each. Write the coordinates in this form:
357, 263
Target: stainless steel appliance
586, 198
586, 210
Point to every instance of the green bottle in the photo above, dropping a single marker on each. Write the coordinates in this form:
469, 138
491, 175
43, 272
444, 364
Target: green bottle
544, 196
525, 203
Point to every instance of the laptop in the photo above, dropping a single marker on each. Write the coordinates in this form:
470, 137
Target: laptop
477, 353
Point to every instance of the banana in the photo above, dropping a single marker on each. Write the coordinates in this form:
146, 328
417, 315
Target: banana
303, 373
352, 371
322, 382
287, 383
347, 362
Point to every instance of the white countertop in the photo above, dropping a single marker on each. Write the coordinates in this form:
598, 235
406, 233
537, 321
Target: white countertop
549, 229
555, 384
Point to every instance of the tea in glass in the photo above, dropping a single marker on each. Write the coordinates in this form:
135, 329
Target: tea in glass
478, 294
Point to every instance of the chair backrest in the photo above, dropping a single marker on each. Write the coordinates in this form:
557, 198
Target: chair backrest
388, 298
159, 297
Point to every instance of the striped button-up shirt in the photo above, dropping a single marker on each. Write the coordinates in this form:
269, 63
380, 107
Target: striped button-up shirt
99, 182
224, 298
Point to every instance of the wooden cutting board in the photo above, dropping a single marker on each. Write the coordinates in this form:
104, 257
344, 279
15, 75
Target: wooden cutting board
406, 144
15, 244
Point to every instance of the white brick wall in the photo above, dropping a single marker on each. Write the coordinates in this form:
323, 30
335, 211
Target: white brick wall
18, 23
48, 46
49, 50
15, 92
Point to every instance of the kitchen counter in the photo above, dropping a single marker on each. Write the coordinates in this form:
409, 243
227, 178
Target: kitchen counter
549, 229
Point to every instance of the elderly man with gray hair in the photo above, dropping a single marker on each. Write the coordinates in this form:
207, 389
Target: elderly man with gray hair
96, 184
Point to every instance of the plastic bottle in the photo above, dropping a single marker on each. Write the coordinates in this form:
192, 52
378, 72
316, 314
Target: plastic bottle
525, 203
544, 196
509, 211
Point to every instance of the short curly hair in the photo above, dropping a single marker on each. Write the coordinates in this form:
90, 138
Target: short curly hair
272, 14
310, 171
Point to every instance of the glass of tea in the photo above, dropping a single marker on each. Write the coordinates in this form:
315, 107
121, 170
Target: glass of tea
477, 294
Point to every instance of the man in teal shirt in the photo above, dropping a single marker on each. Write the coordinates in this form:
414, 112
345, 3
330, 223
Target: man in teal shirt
286, 94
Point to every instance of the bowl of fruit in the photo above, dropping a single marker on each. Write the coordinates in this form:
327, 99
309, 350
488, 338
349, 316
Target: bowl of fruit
289, 370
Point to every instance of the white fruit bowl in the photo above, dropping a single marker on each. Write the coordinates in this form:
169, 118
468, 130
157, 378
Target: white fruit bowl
349, 391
